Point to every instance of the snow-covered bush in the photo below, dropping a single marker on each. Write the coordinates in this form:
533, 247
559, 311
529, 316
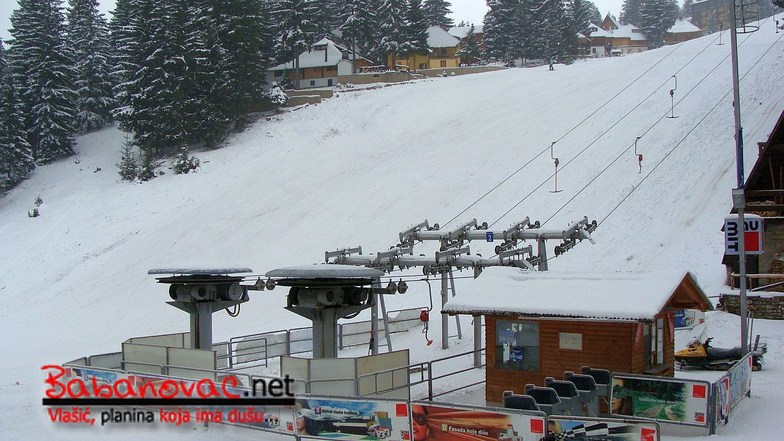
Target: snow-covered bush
184, 162
277, 96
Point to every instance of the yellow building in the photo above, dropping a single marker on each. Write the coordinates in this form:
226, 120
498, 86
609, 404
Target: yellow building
443, 52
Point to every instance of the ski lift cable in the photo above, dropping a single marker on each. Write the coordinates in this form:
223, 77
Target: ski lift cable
616, 123
687, 134
579, 124
595, 140
671, 150
521, 168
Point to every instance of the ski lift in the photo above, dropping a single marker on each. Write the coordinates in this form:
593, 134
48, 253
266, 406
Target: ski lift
721, 30
639, 155
746, 16
556, 162
672, 98
424, 315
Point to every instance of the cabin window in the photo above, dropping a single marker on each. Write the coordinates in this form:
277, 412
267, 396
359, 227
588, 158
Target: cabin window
517, 345
653, 341
570, 340
659, 340
646, 341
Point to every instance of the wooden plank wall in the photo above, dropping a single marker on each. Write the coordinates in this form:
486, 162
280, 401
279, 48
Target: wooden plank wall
606, 345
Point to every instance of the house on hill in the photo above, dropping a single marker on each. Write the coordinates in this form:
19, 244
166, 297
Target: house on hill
442, 54
461, 32
319, 66
682, 31
611, 38
540, 324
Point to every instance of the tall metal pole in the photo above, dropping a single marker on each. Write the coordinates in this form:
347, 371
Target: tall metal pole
738, 194
444, 317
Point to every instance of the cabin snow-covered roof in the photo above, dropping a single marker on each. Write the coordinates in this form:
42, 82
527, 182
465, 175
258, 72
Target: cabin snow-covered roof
330, 56
438, 37
629, 31
605, 296
599, 32
462, 31
682, 26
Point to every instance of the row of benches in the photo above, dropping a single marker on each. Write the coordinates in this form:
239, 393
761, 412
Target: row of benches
576, 394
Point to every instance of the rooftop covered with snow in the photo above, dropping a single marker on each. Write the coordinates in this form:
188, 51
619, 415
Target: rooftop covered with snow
438, 37
608, 296
323, 53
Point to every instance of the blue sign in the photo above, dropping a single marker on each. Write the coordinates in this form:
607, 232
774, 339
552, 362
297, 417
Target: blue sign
489, 235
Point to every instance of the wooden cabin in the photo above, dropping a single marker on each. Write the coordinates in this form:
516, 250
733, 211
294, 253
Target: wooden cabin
540, 324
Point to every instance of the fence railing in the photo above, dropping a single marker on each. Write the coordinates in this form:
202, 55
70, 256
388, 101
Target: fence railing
256, 349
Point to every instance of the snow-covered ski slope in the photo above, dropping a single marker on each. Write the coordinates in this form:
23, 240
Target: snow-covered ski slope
361, 167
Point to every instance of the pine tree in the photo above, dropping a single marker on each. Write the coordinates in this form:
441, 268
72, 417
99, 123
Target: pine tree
630, 12
295, 31
126, 37
153, 113
436, 12
414, 30
656, 16
42, 67
147, 166
391, 28
128, 167
16, 159
361, 29
567, 46
203, 107
88, 36
327, 17
585, 16
594, 14
245, 41
494, 35
546, 38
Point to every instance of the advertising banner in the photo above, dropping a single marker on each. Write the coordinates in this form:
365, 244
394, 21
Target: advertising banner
441, 423
722, 401
740, 380
667, 400
600, 429
688, 318
331, 418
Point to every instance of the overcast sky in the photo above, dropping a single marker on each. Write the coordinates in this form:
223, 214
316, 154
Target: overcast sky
471, 11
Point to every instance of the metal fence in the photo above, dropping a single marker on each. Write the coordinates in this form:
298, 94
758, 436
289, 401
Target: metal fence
257, 349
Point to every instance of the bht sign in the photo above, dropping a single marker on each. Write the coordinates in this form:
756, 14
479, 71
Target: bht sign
752, 234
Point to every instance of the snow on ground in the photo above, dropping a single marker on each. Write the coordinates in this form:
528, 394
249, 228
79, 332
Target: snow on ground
361, 167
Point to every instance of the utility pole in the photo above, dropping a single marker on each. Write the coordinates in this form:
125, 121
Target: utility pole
738, 197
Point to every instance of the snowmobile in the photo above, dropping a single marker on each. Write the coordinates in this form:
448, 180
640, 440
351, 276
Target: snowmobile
701, 355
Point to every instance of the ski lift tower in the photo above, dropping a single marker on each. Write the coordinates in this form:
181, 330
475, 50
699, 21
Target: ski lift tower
200, 293
324, 294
